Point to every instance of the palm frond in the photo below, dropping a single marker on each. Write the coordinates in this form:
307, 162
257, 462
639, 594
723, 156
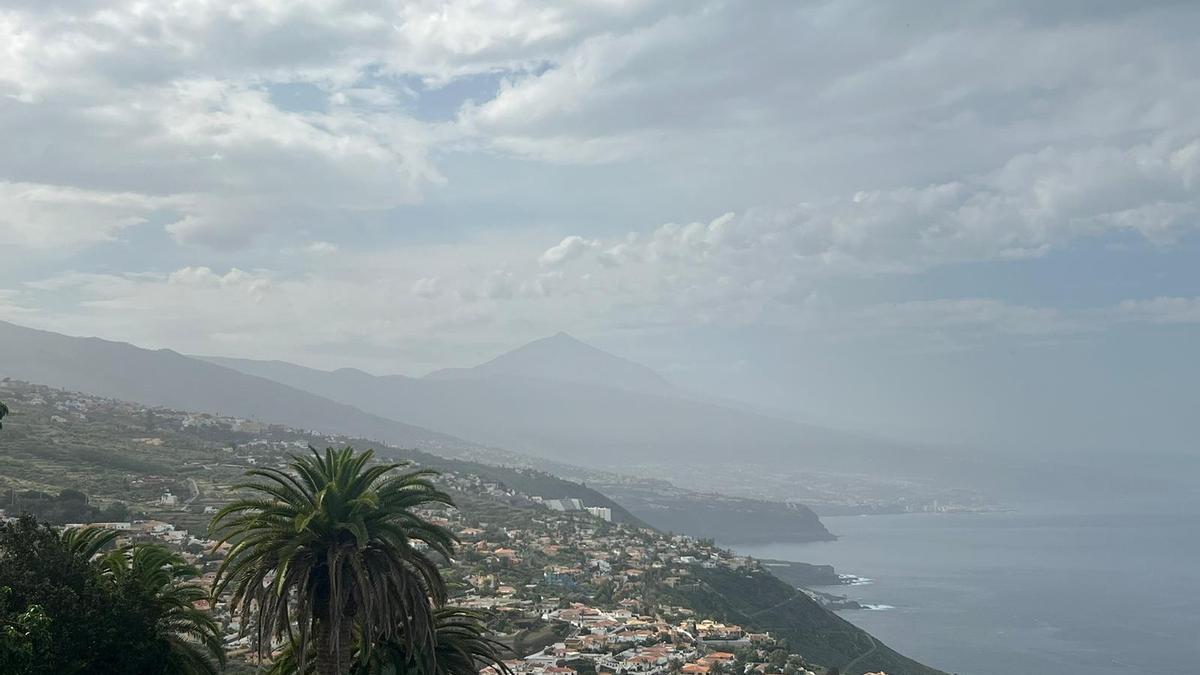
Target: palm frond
166, 581
86, 542
328, 549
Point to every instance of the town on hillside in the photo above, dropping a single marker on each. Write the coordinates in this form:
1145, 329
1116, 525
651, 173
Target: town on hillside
569, 591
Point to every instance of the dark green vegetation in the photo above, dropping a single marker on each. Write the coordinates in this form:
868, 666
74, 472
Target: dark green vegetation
68, 506
765, 602
65, 610
24, 635
803, 574
536, 638
329, 546
167, 588
460, 645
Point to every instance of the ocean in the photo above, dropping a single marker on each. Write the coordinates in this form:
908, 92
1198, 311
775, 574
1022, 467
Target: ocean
1043, 589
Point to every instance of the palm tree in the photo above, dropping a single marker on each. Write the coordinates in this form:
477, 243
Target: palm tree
461, 647
164, 581
86, 543
330, 549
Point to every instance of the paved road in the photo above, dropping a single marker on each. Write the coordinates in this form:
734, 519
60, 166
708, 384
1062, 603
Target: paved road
195, 492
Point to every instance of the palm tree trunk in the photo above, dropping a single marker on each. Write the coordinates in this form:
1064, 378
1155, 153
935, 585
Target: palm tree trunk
331, 660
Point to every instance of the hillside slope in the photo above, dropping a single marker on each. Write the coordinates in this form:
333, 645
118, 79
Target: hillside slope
764, 601
167, 378
728, 520
62, 439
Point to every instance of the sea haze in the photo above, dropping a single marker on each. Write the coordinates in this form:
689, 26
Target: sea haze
1038, 590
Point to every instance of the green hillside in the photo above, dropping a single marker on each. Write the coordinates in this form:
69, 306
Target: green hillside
758, 599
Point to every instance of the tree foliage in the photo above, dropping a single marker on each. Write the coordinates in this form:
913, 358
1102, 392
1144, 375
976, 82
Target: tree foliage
68, 607
165, 583
461, 643
461, 646
24, 636
69, 506
331, 550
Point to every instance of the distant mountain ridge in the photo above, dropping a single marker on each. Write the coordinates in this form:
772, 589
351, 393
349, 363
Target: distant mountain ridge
513, 403
167, 378
552, 398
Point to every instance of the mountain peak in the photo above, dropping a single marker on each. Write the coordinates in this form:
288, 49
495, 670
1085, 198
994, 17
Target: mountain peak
561, 338
564, 358
559, 341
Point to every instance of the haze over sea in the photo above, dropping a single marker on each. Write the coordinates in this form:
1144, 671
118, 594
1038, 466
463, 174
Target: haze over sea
1048, 588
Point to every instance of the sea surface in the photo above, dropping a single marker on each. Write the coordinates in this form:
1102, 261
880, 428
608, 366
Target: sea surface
1044, 589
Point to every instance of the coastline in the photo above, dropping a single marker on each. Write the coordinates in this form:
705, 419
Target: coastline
1033, 589
809, 578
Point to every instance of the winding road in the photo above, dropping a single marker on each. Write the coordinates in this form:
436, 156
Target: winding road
874, 646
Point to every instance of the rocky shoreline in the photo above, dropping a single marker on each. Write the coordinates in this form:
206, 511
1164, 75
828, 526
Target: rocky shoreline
807, 577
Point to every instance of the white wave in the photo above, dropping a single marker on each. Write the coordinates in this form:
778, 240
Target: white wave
877, 608
852, 580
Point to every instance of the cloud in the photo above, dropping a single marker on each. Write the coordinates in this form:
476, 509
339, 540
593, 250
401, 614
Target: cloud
321, 248
234, 163
782, 103
835, 84
1164, 310
426, 287
177, 99
1030, 205
519, 167
120, 40
55, 217
569, 248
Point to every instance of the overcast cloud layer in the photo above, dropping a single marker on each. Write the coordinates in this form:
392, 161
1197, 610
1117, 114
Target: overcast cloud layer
810, 205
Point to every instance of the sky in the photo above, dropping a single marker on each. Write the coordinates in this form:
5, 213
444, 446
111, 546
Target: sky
964, 223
